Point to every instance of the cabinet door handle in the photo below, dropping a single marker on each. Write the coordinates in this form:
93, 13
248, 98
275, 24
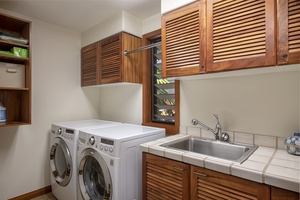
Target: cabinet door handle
200, 174
176, 168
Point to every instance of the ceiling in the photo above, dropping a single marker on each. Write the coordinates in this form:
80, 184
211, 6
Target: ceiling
80, 15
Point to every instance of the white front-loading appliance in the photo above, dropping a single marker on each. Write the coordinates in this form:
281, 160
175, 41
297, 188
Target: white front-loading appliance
110, 161
63, 155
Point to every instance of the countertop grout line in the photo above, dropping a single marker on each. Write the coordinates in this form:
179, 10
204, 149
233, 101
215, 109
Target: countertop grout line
267, 166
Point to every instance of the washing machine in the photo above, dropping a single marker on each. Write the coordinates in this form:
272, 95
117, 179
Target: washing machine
63, 155
110, 161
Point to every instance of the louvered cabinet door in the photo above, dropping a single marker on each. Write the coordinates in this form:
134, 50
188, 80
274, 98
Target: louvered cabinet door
208, 184
164, 178
89, 65
183, 31
240, 34
110, 59
288, 13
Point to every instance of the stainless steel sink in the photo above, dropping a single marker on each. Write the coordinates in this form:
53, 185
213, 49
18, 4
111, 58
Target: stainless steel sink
228, 151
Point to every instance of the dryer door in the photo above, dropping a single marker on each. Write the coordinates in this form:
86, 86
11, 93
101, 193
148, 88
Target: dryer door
94, 176
60, 162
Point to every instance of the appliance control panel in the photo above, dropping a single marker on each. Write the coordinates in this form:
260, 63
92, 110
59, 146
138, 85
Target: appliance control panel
104, 145
67, 134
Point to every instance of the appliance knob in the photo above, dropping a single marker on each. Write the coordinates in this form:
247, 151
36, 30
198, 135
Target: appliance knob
92, 140
110, 149
105, 148
101, 147
59, 131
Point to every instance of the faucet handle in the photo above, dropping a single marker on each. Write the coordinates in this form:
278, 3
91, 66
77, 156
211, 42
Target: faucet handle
225, 137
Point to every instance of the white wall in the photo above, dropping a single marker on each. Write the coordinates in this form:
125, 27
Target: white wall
121, 103
266, 104
56, 96
152, 23
167, 6
121, 22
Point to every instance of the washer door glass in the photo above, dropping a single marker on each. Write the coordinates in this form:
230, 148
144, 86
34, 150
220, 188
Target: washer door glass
94, 177
60, 162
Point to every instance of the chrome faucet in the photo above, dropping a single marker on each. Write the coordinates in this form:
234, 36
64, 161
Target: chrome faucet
217, 132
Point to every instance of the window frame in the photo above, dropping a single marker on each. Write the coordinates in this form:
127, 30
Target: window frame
171, 129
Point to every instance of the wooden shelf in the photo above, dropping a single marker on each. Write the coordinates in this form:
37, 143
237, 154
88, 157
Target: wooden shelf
13, 58
12, 88
9, 124
7, 43
17, 100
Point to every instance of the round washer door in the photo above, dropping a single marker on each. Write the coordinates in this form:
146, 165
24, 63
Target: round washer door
60, 162
94, 176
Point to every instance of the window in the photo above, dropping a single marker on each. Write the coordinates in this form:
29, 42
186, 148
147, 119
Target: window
160, 95
163, 90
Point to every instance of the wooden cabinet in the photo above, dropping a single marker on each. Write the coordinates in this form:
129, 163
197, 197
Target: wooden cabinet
218, 35
281, 194
288, 18
183, 40
208, 184
17, 100
164, 178
240, 34
104, 62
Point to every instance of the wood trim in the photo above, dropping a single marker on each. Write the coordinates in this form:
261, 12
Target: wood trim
170, 128
33, 194
288, 32
279, 193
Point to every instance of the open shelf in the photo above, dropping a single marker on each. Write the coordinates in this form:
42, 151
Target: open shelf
17, 98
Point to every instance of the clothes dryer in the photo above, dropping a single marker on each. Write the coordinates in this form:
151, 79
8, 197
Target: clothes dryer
63, 155
110, 161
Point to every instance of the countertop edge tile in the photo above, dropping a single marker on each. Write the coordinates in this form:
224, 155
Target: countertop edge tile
249, 174
157, 150
281, 182
173, 154
194, 159
217, 165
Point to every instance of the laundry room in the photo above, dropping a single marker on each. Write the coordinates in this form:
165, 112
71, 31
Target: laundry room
255, 102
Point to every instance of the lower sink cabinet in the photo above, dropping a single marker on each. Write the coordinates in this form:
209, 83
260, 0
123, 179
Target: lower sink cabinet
209, 184
164, 178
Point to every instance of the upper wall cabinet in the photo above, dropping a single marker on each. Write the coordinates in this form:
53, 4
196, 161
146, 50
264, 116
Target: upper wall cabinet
183, 40
240, 34
104, 62
288, 50
15, 70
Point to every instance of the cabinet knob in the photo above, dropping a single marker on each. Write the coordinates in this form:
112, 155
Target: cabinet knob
285, 55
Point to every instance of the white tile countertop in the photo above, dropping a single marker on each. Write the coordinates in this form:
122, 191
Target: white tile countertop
275, 167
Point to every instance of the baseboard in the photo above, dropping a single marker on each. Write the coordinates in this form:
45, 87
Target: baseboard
33, 194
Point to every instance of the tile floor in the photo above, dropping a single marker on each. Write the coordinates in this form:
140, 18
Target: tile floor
48, 196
